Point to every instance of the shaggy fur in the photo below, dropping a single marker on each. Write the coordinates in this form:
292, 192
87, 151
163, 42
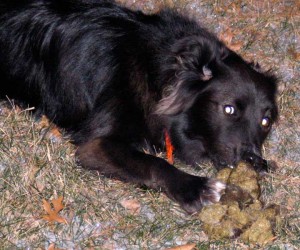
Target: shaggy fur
116, 79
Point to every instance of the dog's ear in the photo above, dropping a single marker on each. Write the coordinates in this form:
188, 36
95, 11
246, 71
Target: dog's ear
256, 67
269, 75
187, 71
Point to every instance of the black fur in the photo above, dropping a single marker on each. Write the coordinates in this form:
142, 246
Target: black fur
115, 78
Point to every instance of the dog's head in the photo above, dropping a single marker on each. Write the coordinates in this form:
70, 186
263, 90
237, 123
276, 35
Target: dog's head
217, 104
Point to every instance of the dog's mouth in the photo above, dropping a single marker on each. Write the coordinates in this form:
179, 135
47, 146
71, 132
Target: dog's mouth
259, 164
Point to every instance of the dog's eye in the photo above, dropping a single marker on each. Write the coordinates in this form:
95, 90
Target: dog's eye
266, 122
229, 110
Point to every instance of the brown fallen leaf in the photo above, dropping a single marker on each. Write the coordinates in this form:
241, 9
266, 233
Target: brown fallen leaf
236, 46
133, 206
44, 122
55, 133
183, 247
290, 204
227, 38
52, 247
294, 54
52, 214
32, 172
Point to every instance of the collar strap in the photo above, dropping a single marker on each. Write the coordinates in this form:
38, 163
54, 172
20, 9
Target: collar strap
169, 148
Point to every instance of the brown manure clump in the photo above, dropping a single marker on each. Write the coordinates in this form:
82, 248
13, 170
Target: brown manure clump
240, 212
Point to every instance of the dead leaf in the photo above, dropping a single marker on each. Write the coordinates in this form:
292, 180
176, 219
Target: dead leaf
52, 247
170, 3
294, 54
108, 246
183, 247
290, 204
227, 38
133, 206
52, 214
57, 204
236, 46
55, 133
32, 172
44, 122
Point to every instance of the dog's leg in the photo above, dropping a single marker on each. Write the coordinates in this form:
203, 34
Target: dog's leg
114, 158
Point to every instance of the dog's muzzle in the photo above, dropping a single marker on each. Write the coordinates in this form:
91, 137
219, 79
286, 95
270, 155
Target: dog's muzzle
258, 163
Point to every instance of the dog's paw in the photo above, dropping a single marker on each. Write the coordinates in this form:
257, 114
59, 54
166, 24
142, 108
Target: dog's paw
193, 192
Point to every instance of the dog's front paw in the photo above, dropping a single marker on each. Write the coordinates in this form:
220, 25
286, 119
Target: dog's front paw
193, 192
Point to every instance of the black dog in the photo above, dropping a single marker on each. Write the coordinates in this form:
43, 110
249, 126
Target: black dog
115, 79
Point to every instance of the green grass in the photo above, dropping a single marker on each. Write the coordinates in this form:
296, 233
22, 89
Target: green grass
35, 165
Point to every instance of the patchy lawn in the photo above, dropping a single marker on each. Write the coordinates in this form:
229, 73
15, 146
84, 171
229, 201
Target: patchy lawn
36, 163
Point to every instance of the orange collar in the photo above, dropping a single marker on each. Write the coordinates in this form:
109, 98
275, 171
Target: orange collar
169, 148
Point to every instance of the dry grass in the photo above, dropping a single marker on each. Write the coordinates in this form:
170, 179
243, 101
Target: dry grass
35, 165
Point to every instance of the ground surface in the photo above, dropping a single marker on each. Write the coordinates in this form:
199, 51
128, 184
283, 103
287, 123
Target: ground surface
107, 214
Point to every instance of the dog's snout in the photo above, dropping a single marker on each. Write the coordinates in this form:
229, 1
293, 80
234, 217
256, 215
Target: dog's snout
248, 156
249, 153
250, 149
260, 164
